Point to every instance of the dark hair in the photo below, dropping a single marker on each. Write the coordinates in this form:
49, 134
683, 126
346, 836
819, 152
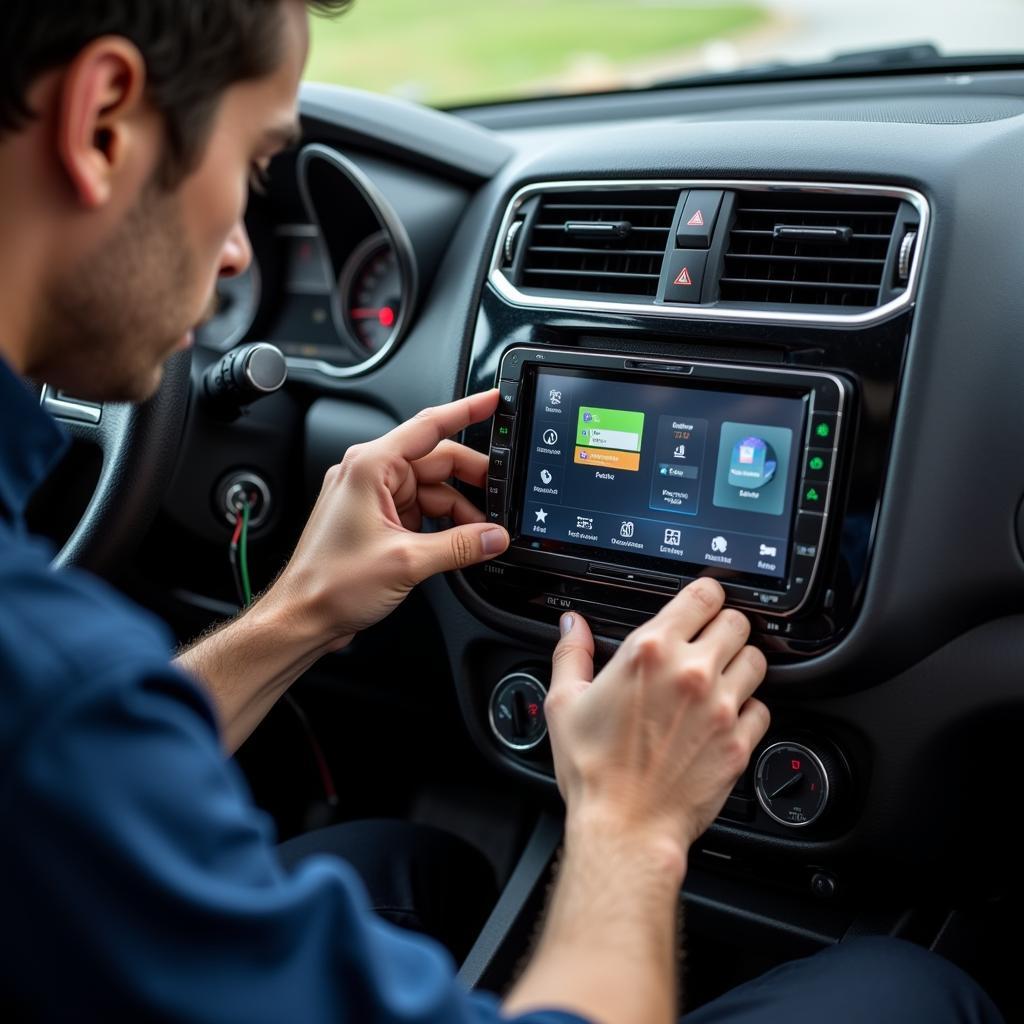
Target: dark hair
193, 49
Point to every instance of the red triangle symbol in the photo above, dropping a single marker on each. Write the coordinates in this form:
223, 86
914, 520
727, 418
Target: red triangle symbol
696, 221
684, 277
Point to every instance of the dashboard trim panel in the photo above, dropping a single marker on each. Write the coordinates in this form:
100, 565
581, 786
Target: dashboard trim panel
514, 296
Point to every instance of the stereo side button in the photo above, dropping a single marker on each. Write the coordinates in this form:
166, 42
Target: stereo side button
499, 463
504, 427
509, 393
812, 495
823, 429
807, 535
496, 501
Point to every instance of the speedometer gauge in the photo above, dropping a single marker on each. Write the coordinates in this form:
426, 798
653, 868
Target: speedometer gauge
371, 294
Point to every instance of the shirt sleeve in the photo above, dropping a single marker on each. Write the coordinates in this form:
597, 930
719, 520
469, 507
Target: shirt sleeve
143, 884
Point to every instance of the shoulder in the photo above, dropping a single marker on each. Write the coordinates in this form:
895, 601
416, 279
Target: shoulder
67, 634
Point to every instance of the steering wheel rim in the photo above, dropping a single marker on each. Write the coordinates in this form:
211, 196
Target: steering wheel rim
139, 446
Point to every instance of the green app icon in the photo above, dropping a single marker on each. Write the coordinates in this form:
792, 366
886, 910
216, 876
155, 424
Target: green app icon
817, 463
812, 495
822, 430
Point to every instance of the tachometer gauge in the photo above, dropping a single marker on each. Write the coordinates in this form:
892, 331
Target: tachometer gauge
237, 302
371, 294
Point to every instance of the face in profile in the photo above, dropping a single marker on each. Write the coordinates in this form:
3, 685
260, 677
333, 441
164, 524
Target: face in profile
133, 299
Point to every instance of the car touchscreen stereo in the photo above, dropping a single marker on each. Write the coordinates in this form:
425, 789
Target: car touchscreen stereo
645, 473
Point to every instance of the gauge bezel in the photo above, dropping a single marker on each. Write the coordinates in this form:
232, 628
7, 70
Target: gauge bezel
508, 744
341, 304
759, 793
391, 226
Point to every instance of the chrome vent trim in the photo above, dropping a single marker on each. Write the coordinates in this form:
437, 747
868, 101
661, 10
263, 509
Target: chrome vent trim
798, 248
588, 241
514, 296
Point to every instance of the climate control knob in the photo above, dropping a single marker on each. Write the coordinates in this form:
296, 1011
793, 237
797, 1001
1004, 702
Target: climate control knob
795, 784
517, 712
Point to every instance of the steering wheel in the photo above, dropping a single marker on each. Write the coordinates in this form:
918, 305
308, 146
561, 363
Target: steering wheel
139, 446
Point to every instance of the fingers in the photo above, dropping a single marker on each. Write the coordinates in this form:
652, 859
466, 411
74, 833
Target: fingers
752, 723
690, 611
438, 500
745, 673
422, 434
572, 664
450, 459
725, 636
457, 548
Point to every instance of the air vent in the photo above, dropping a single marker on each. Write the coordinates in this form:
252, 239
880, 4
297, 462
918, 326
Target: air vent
812, 249
610, 242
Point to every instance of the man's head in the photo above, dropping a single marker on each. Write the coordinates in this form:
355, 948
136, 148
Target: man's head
129, 130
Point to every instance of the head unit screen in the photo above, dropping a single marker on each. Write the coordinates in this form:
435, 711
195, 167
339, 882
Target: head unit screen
687, 474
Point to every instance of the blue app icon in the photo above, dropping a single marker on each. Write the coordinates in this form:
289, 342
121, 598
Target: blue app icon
753, 463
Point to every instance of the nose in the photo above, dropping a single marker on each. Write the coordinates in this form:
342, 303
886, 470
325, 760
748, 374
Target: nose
237, 253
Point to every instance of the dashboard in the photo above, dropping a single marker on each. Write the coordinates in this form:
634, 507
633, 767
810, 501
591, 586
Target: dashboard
770, 333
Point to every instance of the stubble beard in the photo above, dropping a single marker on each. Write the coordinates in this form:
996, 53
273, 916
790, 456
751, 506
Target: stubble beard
118, 317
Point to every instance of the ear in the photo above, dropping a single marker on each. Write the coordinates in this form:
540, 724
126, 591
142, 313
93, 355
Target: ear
99, 116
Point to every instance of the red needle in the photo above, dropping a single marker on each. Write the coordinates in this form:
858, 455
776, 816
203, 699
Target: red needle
385, 315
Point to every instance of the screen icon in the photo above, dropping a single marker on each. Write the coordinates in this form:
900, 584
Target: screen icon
719, 545
627, 529
545, 475
554, 397
584, 523
550, 437
769, 551
753, 463
673, 538
542, 516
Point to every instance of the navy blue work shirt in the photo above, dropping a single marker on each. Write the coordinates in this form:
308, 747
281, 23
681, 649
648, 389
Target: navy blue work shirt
139, 880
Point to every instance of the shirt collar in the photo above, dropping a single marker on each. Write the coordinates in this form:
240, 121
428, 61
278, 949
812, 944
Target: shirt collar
31, 442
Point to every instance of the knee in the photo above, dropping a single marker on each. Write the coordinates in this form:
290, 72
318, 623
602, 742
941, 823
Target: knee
922, 984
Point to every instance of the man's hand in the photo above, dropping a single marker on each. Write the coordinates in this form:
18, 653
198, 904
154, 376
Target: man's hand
362, 552
359, 556
645, 755
653, 745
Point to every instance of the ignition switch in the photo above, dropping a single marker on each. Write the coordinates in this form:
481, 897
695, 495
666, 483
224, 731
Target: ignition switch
237, 489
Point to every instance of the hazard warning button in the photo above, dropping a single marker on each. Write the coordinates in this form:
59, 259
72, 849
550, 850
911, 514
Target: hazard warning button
697, 223
685, 275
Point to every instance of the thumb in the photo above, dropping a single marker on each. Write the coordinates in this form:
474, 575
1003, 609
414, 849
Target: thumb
458, 548
572, 664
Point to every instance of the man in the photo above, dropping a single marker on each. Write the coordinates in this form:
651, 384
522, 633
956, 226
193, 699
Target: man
139, 883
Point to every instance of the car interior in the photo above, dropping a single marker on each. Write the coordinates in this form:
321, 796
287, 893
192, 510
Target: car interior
760, 325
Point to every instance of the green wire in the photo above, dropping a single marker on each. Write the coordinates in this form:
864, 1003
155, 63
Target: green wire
243, 552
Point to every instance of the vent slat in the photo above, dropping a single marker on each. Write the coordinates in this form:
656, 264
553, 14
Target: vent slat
779, 258
629, 266
592, 273
804, 212
602, 207
568, 249
561, 227
786, 283
760, 268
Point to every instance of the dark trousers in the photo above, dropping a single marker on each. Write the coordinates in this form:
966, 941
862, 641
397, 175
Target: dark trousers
429, 881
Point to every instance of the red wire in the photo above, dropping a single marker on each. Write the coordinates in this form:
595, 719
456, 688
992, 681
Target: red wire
238, 530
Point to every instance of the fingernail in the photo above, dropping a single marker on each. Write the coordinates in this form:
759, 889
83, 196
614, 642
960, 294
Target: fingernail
492, 541
568, 621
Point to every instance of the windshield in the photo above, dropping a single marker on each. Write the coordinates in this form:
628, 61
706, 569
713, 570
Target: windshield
460, 52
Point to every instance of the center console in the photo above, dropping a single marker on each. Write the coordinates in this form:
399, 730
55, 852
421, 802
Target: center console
621, 479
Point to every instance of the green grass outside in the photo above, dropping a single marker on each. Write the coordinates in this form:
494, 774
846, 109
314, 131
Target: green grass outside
449, 51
